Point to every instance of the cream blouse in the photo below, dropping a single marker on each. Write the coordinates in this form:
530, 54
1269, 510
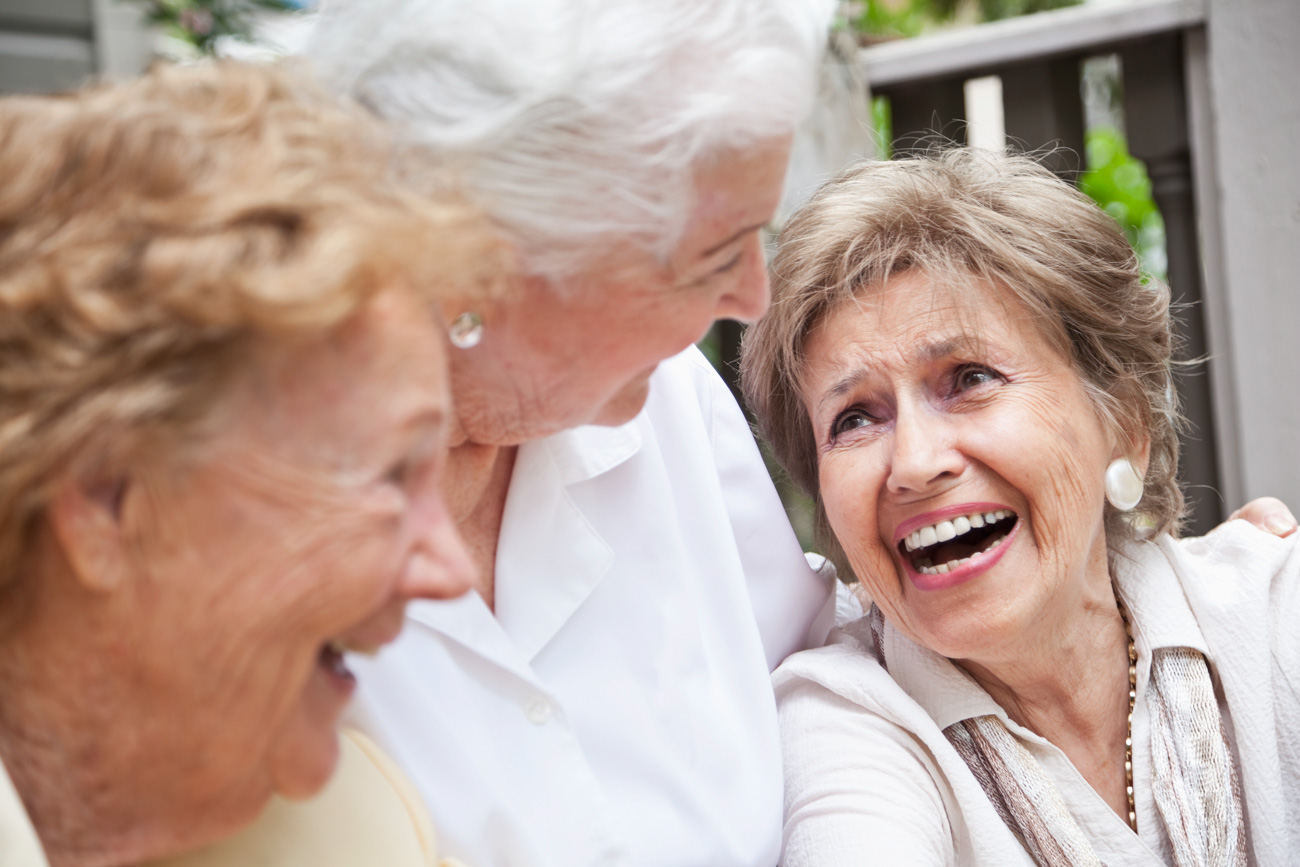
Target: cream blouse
871, 779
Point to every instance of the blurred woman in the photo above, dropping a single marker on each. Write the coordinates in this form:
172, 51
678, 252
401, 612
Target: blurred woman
223, 418
965, 368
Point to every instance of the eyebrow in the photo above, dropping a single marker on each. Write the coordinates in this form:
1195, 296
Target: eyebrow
929, 353
742, 233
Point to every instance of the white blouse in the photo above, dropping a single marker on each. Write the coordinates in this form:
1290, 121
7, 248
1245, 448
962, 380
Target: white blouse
618, 707
871, 779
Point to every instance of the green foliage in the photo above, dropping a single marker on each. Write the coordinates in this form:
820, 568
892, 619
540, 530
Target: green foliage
905, 18
202, 22
1119, 183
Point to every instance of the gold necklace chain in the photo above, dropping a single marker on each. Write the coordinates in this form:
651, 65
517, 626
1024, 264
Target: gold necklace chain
1132, 702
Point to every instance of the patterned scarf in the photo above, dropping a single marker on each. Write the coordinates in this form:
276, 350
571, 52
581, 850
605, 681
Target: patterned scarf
1196, 788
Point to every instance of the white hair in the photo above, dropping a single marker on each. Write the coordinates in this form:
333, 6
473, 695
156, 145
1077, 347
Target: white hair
577, 124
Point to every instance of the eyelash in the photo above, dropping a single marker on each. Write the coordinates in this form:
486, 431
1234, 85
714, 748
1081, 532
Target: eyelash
730, 265
964, 369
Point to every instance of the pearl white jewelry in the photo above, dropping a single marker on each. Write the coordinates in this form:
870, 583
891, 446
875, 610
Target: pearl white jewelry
466, 330
1123, 485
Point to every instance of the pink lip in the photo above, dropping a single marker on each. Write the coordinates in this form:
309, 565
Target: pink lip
967, 571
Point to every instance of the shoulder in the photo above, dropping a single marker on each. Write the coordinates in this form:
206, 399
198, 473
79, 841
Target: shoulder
845, 678
1236, 566
688, 384
860, 774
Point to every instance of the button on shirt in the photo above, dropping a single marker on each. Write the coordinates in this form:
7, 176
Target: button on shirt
617, 708
869, 768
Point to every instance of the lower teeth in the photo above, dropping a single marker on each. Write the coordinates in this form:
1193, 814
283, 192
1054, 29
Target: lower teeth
925, 567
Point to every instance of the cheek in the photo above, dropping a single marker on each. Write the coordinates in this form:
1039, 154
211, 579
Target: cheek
851, 485
1059, 470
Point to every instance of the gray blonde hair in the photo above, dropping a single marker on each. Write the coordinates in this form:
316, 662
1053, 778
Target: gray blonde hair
577, 124
156, 236
964, 216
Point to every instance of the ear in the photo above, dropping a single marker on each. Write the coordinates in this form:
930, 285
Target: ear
86, 515
1137, 449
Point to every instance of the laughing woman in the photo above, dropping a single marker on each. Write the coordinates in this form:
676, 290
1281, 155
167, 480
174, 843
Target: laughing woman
965, 368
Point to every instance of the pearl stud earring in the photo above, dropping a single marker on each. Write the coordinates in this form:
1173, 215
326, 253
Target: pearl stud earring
466, 330
1123, 485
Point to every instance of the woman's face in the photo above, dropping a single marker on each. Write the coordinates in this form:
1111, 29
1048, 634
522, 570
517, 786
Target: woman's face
558, 357
961, 465
296, 536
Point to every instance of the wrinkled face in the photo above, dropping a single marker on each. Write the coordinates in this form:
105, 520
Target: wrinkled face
961, 464
558, 357
297, 536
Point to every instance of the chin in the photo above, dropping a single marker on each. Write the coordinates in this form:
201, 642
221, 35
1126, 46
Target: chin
302, 767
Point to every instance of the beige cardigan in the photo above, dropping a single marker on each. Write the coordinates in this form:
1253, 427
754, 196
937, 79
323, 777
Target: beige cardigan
369, 814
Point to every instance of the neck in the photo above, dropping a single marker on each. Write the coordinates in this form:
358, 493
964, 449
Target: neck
475, 484
55, 723
1071, 687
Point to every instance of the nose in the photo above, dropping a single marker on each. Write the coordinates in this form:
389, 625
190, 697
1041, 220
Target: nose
438, 565
747, 301
923, 455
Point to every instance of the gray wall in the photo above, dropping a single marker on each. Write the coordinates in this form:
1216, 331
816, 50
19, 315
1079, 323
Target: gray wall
1253, 205
48, 45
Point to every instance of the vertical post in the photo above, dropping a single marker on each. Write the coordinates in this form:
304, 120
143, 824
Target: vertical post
923, 108
1042, 105
1155, 110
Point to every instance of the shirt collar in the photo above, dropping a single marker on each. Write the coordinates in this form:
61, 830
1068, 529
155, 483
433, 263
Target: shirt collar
946, 692
1158, 609
585, 452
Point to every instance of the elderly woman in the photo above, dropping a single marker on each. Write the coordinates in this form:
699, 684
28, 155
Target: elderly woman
604, 697
223, 416
965, 368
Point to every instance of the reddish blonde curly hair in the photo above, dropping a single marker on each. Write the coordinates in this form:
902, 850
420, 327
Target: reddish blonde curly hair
154, 234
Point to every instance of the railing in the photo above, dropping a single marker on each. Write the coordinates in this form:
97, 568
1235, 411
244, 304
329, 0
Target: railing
1039, 60
49, 45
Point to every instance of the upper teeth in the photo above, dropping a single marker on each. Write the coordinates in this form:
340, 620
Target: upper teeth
945, 530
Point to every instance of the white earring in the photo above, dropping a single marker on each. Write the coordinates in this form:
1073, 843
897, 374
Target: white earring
466, 330
1123, 485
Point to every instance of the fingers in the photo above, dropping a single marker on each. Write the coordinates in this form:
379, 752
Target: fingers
1268, 514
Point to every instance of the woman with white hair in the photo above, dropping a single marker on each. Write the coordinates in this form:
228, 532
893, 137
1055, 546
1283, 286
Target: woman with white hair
604, 697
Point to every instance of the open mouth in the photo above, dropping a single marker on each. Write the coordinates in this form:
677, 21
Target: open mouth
332, 660
941, 547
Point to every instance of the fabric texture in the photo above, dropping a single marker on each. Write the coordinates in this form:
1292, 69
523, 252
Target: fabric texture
19, 846
1194, 779
368, 815
616, 708
1231, 597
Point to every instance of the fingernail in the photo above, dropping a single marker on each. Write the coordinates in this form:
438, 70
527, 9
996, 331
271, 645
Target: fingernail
1278, 526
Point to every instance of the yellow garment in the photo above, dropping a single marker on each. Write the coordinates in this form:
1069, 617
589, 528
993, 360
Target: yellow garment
369, 815
19, 846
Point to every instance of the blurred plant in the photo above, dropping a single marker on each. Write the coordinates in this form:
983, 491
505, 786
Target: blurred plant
1119, 183
892, 19
201, 23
